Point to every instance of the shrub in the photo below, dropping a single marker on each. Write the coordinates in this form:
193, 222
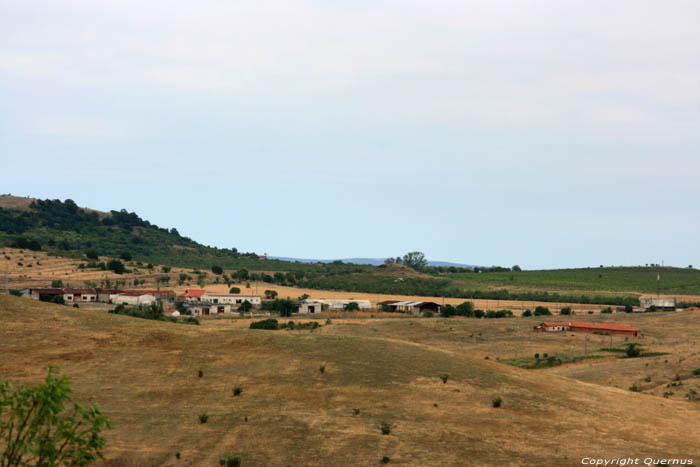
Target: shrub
270, 294
322, 368
264, 324
233, 461
444, 377
218, 270
527, 313
385, 460
190, 320
237, 390
542, 311
696, 372
565, 311
386, 427
634, 388
203, 418
75, 305
178, 455
427, 314
245, 307
116, 266
537, 356
58, 432
58, 284
234, 290
16, 293
165, 269
356, 411
499, 314
497, 402
352, 306
607, 310
632, 350
200, 373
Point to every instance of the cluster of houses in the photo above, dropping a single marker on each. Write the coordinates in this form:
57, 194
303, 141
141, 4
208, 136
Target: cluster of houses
199, 302
114, 296
595, 328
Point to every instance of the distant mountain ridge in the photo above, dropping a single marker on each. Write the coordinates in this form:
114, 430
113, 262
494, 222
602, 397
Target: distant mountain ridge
369, 261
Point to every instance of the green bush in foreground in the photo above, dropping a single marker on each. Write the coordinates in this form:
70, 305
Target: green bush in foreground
264, 324
497, 402
36, 428
385, 427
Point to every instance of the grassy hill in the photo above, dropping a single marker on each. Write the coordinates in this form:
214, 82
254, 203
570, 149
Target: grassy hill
144, 376
621, 279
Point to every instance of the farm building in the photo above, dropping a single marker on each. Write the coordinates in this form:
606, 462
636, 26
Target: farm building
595, 328
658, 304
208, 308
415, 308
231, 298
310, 307
132, 298
386, 303
107, 296
69, 295
337, 304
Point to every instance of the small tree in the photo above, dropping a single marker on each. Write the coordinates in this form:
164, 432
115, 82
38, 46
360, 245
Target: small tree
116, 266
234, 290
352, 306
218, 270
245, 307
565, 311
527, 313
58, 283
542, 311
632, 350
36, 428
270, 294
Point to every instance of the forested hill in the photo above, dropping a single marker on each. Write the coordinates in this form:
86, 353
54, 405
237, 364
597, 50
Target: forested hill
65, 228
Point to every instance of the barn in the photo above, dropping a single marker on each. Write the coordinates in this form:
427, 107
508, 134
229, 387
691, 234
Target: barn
415, 308
594, 328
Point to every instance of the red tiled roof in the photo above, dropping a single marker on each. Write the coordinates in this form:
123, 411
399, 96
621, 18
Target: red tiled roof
387, 302
692, 308
47, 291
80, 291
194, 293
230, 294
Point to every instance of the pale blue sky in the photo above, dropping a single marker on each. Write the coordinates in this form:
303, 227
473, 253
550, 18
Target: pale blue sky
540, 133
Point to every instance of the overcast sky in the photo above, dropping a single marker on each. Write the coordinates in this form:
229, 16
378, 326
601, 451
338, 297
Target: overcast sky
540, 133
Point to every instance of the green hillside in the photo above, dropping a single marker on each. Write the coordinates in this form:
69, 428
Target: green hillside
614, 279
63, 228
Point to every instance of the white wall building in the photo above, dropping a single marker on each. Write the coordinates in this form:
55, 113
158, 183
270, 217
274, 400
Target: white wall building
231, 298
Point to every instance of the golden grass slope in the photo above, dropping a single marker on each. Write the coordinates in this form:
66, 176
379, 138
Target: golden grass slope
144, 376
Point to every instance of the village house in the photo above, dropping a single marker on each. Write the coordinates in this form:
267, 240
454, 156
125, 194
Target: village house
192, 295
310, 307
231, 298
595, 328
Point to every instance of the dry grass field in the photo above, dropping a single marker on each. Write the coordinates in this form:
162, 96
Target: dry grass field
144, 375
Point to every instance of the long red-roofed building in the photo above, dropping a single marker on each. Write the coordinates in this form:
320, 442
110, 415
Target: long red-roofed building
597, 328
